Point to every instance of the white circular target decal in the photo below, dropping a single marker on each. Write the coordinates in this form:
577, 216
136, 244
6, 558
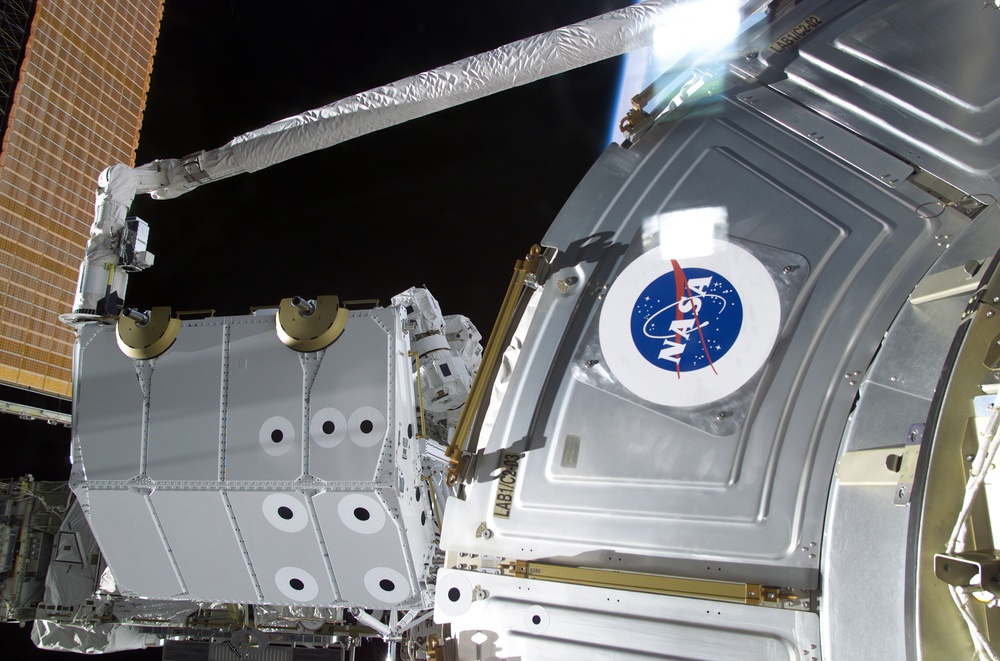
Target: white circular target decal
328, 427
387, 585
366, 427
285, 512
362, 513
276, 435
685, 332
454, 594
296, 583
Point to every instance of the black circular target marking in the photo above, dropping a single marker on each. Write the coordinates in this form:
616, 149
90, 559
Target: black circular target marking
454, 594
329, 427
387, 585
361, 514
285, 512
296, 584
277, 436
409, 430
366, 426
536, 619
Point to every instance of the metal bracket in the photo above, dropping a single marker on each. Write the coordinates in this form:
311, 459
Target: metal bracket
947, 196
974, 570
872, 467
908, 464
987, 296
952, 282
887, 466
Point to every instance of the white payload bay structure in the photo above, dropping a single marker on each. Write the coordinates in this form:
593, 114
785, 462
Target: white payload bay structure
738, 404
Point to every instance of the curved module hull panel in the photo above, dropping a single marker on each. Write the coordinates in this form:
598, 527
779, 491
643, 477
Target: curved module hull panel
740, 481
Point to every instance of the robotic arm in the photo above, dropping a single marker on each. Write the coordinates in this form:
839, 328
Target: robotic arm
103, 274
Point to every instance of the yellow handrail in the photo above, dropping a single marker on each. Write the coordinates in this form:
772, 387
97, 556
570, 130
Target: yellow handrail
491, 360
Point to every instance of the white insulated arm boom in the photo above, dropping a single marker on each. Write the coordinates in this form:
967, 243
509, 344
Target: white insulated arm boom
503, 68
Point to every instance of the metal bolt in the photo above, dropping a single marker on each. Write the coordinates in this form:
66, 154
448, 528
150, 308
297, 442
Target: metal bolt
996, 299
791, 268
990, 313
564, 285
590, 363
752, 54
487, 534
722, 415
854, 383
970, 457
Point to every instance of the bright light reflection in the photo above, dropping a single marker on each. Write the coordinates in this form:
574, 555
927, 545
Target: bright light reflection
703, 27
685, 233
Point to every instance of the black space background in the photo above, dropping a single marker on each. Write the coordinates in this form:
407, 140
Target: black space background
449, 201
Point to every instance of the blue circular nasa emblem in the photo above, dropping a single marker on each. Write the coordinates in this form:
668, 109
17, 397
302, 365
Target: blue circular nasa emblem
686, 319
690, 329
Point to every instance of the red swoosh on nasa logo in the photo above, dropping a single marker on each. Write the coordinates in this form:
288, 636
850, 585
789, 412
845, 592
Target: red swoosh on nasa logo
682, 289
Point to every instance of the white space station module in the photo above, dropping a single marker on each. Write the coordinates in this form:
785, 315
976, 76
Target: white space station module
738, 404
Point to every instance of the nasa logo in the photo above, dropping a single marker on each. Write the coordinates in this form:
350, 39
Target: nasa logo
688, 331
687, 319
